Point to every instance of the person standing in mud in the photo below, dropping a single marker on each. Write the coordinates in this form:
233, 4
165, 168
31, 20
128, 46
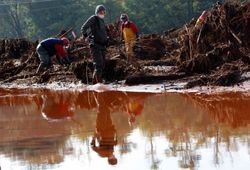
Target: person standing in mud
94, 31
130, 33
50, 47
105, 134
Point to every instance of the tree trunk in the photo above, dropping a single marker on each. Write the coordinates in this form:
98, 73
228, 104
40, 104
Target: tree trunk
16, 20
14, 12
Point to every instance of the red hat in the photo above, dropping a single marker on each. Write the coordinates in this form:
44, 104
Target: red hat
65, 41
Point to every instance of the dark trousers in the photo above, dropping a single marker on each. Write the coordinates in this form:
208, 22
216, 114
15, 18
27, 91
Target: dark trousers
43, 55
45, 61
99, 60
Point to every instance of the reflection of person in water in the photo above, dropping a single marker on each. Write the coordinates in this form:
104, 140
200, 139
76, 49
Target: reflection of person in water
134, 108
56, 107
105, 133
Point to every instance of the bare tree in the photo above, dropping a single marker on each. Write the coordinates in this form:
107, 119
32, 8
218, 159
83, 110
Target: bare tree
12, 10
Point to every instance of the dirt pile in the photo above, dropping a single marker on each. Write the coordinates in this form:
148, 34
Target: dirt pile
14, 48
218, 49
15, 55
215, 52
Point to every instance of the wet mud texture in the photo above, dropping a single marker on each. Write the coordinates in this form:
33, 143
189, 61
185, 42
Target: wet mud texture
215, 53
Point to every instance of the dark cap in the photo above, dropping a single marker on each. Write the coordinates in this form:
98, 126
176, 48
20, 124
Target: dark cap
99, 8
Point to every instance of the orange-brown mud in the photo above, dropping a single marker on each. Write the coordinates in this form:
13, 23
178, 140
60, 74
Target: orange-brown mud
215, 53
165, 130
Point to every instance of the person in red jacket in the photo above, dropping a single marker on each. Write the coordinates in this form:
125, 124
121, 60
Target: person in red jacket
130, 33
50, 47
134, 109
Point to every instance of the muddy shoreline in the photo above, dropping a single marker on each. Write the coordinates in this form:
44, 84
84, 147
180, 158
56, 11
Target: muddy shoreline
214, 54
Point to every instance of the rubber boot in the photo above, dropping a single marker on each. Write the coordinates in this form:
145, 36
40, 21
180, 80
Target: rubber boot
40, 68
96, 78
99, 79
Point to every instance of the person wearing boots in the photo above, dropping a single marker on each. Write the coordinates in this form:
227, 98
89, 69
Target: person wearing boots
130, 33
94, 31
50, 47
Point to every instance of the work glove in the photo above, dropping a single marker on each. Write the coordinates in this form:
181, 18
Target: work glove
59, 60
67, 60
63, 60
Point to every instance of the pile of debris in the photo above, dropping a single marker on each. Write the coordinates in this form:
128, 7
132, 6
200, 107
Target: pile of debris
215, 51
219, 49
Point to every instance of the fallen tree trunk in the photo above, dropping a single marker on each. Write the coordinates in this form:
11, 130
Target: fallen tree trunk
146, 79
166, 62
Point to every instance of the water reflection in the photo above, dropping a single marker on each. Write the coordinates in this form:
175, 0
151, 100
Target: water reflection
56, 107
105, 133
61, 130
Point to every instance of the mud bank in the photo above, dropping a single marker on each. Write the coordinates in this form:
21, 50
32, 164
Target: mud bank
215, 53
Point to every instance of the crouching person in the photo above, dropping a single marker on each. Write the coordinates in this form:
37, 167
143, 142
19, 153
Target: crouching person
50, 47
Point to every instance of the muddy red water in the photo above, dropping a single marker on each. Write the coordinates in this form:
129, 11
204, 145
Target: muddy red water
42, 129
